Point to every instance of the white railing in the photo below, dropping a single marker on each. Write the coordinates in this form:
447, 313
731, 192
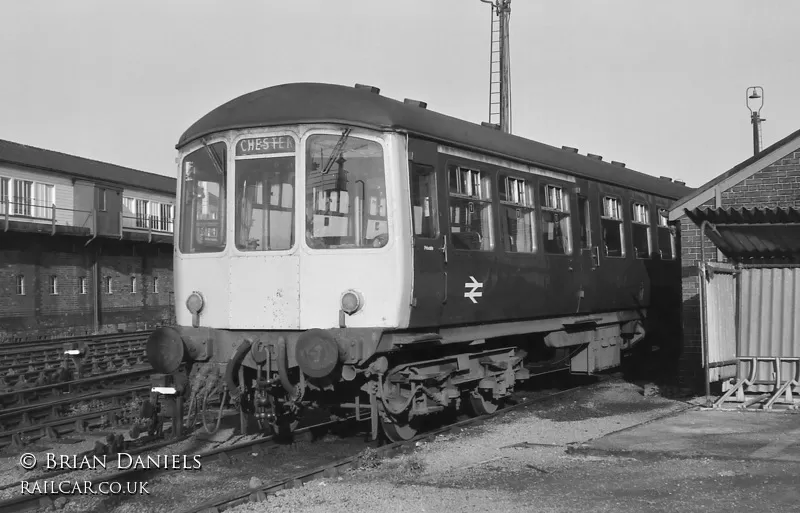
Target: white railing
148, 223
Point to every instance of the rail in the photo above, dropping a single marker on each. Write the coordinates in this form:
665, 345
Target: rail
49, 214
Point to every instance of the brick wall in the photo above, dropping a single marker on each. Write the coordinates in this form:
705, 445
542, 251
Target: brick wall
777, 185
41, 313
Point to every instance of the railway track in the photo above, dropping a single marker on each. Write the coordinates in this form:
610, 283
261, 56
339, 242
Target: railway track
261, 445
25, 376
18, 349
30, 417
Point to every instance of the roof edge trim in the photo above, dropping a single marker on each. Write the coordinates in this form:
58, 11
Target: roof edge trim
766, 160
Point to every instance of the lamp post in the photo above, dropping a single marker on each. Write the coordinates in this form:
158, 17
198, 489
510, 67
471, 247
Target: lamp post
754, 94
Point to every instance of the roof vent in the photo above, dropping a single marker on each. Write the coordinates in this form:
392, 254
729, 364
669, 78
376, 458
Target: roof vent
371, 89
415, 103
495, 126
620, 164
593, 156
570, 148
665, 178
679, 182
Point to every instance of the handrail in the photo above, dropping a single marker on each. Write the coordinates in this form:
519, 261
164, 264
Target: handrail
29, 211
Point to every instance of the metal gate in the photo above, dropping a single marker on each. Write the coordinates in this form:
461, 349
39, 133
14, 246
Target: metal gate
751, 319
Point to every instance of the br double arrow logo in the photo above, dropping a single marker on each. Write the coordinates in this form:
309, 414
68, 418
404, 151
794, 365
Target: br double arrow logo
474, 285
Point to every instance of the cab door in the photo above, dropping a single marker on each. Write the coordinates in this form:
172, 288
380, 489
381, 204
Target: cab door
430, 277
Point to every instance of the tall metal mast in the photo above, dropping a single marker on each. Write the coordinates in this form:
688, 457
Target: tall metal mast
500, 66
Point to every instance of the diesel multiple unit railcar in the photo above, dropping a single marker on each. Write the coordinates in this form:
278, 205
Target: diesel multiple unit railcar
338, 247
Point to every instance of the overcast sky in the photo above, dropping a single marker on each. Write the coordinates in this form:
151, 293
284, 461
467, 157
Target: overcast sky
659, 85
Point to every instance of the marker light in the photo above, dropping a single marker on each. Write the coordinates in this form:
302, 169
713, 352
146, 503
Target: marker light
72, 352
351, 302
194, 303
164, 390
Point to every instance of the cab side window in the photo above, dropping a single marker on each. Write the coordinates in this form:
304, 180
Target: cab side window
516, 214
611, 222
666, 237
640, 230
423, 201
470, 209
556, 227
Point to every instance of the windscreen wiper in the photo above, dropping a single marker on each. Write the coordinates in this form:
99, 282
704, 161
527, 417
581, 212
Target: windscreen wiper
213, 157
336, 150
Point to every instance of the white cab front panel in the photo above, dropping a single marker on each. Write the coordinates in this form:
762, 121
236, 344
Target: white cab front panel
265, 292
209, 276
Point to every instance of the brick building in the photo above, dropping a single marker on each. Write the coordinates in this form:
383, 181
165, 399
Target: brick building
769, 180
85, 246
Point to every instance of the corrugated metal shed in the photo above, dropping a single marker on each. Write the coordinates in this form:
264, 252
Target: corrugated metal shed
746, 233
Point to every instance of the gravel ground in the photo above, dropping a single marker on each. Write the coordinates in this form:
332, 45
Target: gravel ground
508, 464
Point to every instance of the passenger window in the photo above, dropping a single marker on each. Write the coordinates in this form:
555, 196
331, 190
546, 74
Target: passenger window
470, 209
666, 237
640, 228
516, 214
556, 232
611, 222
585, 222
423, 201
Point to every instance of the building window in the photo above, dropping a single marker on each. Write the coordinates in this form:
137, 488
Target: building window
133, 284
141, 213
109, 288
145, 214
516, 214
165, 217
27, 198
54, 285
556, 229
155, 285
640, 230
666, 237
5, 195
20, 285
611, 222
101, 200
82, 285
470, 209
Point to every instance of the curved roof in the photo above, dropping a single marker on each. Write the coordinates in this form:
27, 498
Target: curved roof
327, 103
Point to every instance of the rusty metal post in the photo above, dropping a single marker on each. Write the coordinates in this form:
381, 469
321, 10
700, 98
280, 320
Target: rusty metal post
755, 120
703, 324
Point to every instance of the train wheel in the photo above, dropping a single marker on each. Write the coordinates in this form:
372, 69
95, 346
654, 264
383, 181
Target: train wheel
481, 403
397, 430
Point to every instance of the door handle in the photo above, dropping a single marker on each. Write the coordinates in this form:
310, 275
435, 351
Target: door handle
444, 248
595, 257
444, 296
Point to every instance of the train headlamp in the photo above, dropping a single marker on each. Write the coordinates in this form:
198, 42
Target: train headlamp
351, 302
194, 303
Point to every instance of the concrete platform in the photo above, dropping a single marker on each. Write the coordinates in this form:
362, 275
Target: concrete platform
708, 433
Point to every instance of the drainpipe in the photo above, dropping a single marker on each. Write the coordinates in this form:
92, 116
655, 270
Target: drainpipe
96, 289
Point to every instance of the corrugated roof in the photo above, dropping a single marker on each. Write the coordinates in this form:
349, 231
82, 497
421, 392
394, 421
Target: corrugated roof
62, 163
328, 103
745, 233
